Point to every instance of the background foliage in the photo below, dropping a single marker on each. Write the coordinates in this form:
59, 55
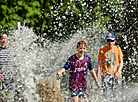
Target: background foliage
53, 19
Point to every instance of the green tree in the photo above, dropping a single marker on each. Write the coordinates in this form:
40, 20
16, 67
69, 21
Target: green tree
107, 11
14, 11
64, 18
9, 17
51, 19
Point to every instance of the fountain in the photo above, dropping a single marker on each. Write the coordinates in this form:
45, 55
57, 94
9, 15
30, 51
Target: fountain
42, 63
38, 62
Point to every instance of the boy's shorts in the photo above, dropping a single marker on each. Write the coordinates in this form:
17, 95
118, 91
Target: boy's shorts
80, 93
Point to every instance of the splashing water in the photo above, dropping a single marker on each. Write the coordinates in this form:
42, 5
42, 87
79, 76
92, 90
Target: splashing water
38, 62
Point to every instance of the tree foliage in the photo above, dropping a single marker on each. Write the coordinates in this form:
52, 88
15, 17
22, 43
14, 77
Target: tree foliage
53, 19
108, 12
58, 19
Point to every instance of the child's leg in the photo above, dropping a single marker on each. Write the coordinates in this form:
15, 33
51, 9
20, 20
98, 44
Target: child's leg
82, 95
74, 95
107, 87
81, 100
118, 89
75, 99
78, 95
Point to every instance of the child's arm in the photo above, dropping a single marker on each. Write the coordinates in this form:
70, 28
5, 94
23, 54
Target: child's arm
120, 64
61, 71
100, 62
1, 77
119, 69
95, 78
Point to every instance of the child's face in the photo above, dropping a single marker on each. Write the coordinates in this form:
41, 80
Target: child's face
4, 41
81, 49
110, 43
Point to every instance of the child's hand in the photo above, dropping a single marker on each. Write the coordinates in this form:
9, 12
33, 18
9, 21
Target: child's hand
1, 77
98, 79
21, 73
99, 87
117, 76
59, 74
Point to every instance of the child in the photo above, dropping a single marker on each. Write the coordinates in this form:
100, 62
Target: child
111, 61
6, 67
79, 64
